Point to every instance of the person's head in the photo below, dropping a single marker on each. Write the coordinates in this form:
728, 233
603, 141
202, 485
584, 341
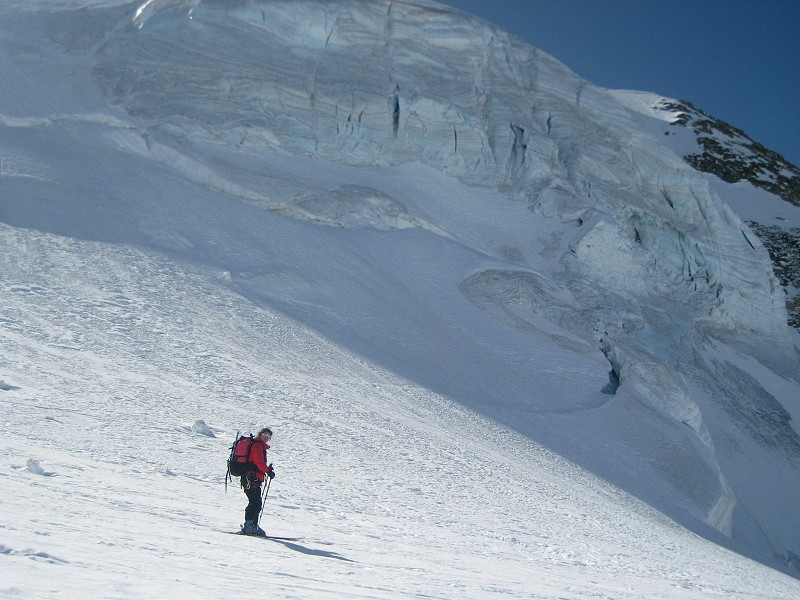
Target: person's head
265, 434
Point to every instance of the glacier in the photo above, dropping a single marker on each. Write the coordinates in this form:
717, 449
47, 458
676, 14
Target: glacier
509, 116
422, 189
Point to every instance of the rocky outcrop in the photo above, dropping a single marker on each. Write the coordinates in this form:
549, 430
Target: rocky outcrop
732, 156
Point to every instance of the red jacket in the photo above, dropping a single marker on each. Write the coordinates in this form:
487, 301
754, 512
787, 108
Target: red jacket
258, 456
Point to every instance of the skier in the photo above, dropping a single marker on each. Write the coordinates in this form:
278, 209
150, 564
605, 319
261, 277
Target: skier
252, 479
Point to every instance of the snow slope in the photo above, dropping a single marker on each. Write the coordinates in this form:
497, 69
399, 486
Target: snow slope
419, 276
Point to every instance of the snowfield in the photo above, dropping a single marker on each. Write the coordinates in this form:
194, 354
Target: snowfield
509, 343
397, 490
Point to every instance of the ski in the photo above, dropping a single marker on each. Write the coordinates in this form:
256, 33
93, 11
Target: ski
279, 538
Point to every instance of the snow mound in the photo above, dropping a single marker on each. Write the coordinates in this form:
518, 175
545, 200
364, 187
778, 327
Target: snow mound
353, 206
35, 467
200, 428
526, 302
7, 387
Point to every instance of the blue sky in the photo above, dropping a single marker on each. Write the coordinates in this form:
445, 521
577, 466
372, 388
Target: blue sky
738, 60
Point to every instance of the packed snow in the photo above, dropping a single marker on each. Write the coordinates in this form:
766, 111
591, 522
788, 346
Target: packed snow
509, 343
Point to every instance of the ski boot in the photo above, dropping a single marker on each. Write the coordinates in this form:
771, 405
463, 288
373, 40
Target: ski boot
251, 528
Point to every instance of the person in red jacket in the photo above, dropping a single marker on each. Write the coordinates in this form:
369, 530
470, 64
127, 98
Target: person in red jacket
251, 481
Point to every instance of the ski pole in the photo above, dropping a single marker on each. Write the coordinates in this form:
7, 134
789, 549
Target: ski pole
263, 502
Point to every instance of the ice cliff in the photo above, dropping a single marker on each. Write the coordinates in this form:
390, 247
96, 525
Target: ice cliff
392, 82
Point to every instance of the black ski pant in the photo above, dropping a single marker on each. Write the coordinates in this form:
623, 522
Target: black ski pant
252, 488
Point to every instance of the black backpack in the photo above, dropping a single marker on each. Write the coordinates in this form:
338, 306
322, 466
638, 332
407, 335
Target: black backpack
239, 459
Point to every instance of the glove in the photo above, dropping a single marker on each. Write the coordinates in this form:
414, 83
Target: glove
271, 472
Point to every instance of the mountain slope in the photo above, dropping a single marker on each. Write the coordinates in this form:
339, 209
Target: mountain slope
487, 268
